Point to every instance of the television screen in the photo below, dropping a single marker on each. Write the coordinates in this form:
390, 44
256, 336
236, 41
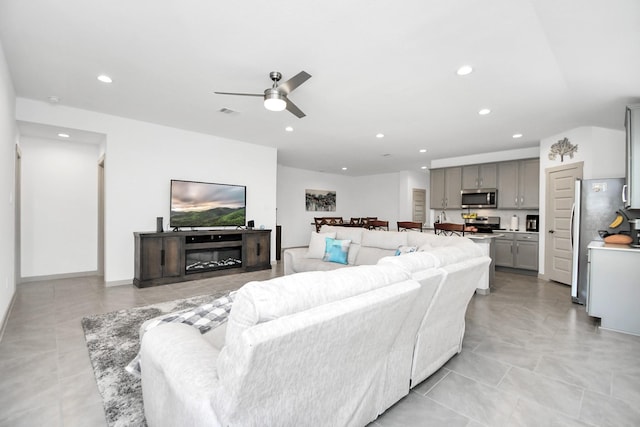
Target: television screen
205, 204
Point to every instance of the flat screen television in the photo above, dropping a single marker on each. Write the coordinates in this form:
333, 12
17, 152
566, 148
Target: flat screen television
207, 204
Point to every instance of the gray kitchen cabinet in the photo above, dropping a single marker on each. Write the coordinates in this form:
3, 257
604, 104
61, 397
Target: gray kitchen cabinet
504, 251
445, 188
613, 291
436, 197
526, 251
479, 176
519, 184
517, 250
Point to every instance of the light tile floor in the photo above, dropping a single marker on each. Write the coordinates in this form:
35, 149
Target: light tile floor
530, 358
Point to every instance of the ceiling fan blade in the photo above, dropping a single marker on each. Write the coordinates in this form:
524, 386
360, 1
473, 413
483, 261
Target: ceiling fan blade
240, 94
295, 81
293, 109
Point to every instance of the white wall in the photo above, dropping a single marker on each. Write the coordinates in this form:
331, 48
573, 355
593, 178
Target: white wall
8, 137
602, 151
140, 160
386, 196
59, 204
292, 214
496, 156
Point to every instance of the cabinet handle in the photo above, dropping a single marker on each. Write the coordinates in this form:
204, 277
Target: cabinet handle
516, 201
481, 182
624, 193
258, 250
522, 200
162, 257
517, 248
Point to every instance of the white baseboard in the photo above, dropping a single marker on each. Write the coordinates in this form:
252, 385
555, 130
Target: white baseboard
57, 276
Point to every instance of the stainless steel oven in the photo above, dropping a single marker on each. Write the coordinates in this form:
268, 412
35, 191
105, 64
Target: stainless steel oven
480, 198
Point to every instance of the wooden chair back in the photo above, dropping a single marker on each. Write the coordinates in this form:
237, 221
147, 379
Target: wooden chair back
329, 220
449, 229
409, 225
377, 224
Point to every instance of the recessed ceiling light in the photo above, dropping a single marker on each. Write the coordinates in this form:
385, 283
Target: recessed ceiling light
53, 99
484, 111
517, 135
289, 129
104, 78
380, 135
344, 169
464, 70
423, 167
423, 150
63, 135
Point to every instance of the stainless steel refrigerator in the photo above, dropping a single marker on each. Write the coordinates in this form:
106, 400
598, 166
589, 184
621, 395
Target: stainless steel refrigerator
595, 206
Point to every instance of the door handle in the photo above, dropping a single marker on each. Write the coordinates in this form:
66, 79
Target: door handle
258, 250
571, 218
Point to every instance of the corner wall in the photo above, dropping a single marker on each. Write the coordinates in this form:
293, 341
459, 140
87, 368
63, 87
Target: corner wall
59, 214
386, 196
8, 138
140, 160
603, 153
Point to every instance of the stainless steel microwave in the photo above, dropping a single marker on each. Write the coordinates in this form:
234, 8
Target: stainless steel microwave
480, 198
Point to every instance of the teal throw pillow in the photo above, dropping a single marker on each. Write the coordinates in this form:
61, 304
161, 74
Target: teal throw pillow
336, 250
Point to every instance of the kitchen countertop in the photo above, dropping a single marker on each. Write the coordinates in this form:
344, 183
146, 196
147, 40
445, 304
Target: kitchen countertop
516, 231
600, 244
484, 236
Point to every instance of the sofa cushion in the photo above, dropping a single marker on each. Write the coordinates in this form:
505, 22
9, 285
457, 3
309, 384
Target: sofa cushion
317, 244
383, 239
336, 250
258, 302
348, 233
413, 262
447, 255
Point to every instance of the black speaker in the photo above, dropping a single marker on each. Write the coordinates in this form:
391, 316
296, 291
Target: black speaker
159, 226
250, 224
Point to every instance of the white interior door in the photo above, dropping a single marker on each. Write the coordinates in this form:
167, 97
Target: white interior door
560, 198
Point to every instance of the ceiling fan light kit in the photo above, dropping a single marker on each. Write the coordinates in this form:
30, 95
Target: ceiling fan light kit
275, 98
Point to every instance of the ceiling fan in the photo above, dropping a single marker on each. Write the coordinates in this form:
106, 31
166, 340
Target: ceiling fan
275, 98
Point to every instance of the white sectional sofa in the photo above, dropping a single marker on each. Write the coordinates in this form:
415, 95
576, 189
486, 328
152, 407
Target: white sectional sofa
367, 247
317, 348
322, 348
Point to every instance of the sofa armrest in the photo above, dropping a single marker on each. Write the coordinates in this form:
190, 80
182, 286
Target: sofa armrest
290, 257
179, 377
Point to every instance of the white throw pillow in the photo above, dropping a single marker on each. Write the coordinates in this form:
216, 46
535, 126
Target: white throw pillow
317, 244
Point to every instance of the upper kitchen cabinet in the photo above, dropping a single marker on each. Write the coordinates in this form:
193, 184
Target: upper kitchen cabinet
479, 176
631, 193
445, 188
519, 184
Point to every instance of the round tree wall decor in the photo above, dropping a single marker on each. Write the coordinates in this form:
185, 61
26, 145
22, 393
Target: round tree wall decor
563, 148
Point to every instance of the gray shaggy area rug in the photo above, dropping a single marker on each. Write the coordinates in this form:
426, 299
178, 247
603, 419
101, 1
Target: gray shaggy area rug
112, 341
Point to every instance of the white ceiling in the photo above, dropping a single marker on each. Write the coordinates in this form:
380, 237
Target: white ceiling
541, 66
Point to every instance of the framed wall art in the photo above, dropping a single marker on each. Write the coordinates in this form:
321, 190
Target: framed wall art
320, 200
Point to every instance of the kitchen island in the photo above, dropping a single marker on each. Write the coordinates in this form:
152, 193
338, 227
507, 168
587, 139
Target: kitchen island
488, 245
613, 286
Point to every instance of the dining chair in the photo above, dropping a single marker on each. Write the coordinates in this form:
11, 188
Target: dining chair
377, 224
409, 225
449, 229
